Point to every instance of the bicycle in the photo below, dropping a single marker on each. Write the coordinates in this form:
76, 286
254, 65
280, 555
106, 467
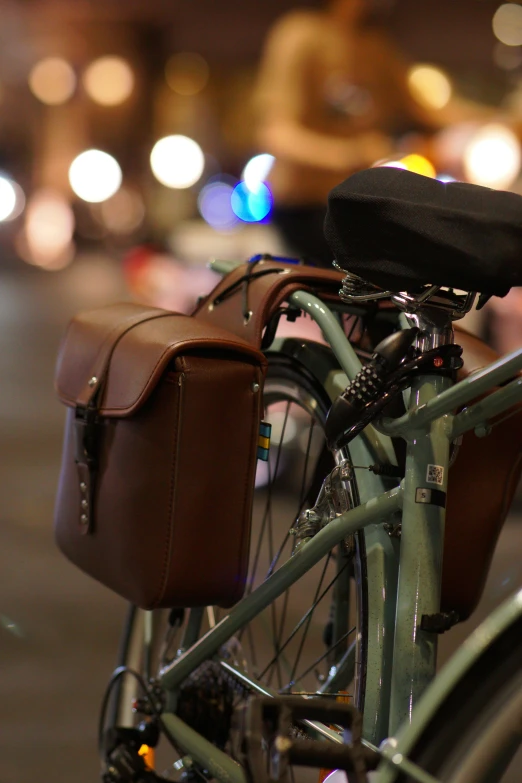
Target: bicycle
371, 534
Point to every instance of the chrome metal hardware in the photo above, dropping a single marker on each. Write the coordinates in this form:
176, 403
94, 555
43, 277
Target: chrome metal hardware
394, 529
434, 325
335, 497
355, 289
456, 305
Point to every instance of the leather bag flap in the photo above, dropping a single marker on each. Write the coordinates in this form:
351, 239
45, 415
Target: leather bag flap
120, 352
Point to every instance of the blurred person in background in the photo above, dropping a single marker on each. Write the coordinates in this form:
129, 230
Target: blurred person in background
332, 98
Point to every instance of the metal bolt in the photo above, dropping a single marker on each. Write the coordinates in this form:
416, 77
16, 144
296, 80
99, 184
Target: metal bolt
255, 387
84, 504
83, 486
84, 519
93, 381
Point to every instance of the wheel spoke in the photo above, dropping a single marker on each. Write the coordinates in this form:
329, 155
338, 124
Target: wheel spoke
303, 619
320, 659
273, 564
273, 614
267, 514
353, 326
309, 618
302, 493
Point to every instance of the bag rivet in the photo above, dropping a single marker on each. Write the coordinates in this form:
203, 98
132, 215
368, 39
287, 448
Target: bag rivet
255, 387
93, 381
84, 519
83, 486
84, 504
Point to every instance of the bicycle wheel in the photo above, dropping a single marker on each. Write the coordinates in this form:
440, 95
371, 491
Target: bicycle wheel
310, 639
476, 734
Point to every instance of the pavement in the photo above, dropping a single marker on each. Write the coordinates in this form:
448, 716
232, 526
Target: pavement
59, 630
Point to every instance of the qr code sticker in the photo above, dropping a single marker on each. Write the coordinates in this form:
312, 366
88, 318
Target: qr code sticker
435, 474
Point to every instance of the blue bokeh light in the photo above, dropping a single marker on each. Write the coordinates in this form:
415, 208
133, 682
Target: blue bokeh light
215, 207
251, 206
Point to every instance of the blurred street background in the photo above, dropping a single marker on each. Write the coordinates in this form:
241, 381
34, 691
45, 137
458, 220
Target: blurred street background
126, 129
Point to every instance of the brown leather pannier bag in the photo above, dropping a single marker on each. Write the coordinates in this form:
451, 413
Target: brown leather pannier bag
484, 477
159, 456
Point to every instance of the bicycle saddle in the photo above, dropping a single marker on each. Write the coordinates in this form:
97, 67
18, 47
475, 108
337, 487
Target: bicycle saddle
401, 231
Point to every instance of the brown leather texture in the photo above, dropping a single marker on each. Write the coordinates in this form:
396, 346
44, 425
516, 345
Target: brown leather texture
177, 429
262, 295
485, 474
128, 358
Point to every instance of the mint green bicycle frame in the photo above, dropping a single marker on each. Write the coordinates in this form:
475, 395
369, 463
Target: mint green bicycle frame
404, 578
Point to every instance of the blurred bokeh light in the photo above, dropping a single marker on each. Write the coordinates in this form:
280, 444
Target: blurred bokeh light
49, 226
257, 170
430, 86
492, 157
507, 57
177, 161
124, 212
52, 80
392, 164
215, 205
95, 176
251, 206
7, 198
507, 24
109, 80
20, 201
187, 73
418, 164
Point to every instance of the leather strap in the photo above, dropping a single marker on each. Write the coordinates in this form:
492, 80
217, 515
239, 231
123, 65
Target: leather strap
86, 424
245, 300
101, 364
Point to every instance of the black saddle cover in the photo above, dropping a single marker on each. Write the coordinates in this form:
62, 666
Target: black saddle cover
401, 230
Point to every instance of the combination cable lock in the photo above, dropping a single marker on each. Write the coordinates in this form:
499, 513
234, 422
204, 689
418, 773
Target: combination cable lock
392, 365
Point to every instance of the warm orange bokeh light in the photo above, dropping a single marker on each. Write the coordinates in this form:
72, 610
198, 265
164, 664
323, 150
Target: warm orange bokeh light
419, 165
52, 81
109, 81
430, 86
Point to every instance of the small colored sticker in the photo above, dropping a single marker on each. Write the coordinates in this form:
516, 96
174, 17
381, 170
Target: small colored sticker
263, 443
435, 474
431, 497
